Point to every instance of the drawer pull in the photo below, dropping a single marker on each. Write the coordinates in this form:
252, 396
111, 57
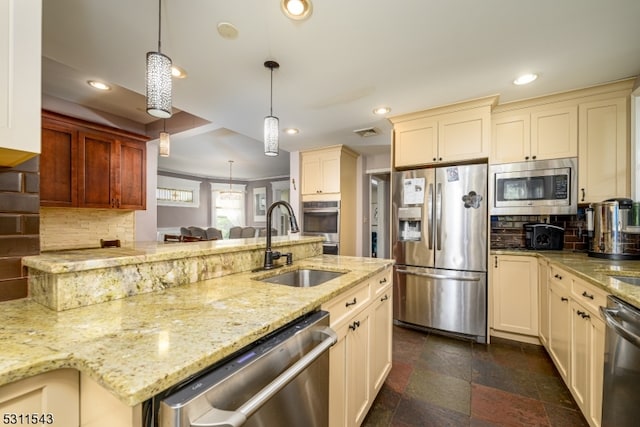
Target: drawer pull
384, 280
354, 302
355, 325
564, 299
384, 298
557, 276
586, 295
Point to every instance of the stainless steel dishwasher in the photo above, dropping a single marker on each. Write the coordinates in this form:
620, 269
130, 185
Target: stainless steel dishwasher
621, 390
280, 381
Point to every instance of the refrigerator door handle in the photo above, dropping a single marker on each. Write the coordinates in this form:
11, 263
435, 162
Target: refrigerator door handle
430, 217
438, 276
439, 217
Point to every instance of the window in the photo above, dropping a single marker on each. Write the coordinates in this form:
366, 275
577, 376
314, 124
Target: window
228, 207
177, 192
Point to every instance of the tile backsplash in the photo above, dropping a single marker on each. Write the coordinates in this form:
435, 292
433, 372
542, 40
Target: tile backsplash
508, 231
68, 228
19, 225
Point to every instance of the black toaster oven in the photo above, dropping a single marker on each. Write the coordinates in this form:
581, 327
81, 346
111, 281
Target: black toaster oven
543, 236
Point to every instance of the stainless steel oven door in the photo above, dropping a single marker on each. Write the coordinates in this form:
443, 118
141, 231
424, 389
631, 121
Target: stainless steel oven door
321, 219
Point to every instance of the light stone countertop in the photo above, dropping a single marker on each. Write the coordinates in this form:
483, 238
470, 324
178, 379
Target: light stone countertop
73, 260
596, 271
138, 346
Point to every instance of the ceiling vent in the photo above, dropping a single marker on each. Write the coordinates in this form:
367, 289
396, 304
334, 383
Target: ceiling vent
367, 132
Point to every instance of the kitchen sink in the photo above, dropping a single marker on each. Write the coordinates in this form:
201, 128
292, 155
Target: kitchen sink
632, 280
303, 278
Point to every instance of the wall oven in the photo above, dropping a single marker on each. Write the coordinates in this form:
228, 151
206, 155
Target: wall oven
322, 218
542, 187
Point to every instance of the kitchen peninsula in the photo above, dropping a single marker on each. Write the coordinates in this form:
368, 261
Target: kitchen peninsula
133, 347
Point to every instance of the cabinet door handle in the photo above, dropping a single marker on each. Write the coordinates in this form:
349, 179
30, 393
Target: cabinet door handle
434, 159
526, 157
355, 325
564, 299
384, 298
586, 295
557, 276
495, 265
583, 194
384, 280
351, 303
534, 157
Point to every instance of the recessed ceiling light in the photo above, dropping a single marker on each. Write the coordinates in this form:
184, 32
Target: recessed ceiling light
227, 30
525, 79
291, 131
296, 9
98, 85
381, 111
178, 72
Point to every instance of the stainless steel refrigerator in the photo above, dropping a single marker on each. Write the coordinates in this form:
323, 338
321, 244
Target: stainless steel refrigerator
439, 236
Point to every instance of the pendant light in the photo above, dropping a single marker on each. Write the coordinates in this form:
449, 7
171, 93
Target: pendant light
159, 78
271, 122
165, 142
230, 194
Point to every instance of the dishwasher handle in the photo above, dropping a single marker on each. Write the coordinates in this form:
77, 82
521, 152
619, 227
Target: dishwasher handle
222, 418
610, 317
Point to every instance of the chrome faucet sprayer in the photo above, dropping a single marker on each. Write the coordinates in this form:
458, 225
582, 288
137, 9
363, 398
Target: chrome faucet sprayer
269, 255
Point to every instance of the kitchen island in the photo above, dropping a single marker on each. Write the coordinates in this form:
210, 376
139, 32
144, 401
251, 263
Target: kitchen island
137, 346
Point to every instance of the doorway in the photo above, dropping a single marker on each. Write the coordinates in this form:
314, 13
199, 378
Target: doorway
380, 199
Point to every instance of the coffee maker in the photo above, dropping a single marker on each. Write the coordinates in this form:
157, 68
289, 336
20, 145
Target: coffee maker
610, 226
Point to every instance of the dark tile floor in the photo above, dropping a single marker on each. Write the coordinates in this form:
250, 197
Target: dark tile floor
441, 381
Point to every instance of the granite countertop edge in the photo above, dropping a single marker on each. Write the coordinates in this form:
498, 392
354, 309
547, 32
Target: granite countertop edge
596, 271
139, 346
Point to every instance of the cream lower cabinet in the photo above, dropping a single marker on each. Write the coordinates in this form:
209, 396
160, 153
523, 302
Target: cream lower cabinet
559, 321
51, 398
361, 359
543, 301
576, 339
514, 282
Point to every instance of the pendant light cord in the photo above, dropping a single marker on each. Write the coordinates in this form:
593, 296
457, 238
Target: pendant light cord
271, 99
159, 24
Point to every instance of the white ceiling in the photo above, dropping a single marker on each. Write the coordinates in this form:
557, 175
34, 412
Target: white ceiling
349, 57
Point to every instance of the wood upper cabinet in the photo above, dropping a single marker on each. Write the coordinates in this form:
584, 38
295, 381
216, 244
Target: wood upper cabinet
20, 94
537, 133
58, 168
603, 162
458, 132
91, 166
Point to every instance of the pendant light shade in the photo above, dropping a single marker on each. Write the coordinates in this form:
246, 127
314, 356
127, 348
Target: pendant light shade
231, 194
165, 143
271, 122
158, 78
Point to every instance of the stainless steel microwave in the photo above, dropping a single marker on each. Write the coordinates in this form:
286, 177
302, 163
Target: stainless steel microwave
541, 187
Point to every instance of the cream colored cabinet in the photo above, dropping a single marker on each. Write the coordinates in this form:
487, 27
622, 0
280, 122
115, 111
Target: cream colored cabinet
51, 398
361, 359
514, 282
603, 161
330, 174
382, 321
323, 171
20, 55
543, 302
587, 349
559, 321
100, 408
454, 133
536, 133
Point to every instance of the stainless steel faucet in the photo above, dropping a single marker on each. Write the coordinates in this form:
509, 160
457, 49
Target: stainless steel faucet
269, 255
